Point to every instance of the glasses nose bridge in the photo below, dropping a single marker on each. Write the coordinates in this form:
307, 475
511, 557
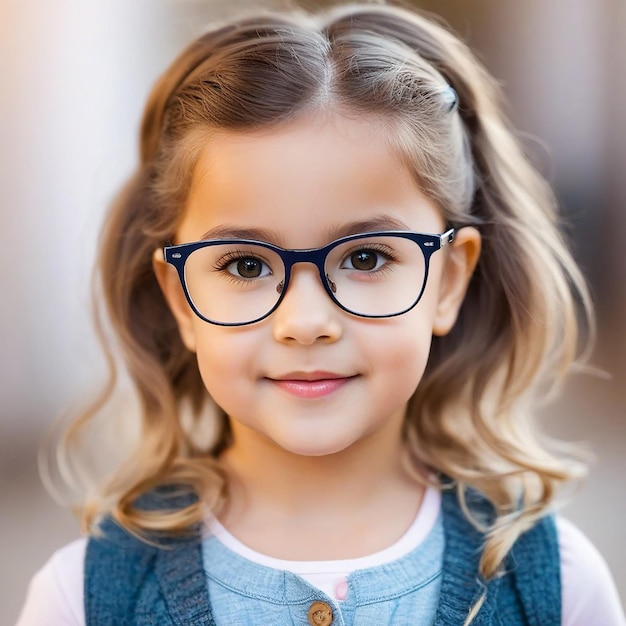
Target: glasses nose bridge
315, 257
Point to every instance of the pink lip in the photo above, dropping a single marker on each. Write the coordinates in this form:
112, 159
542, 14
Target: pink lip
311, 384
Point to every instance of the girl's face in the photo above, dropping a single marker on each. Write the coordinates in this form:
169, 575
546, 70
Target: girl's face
311, 378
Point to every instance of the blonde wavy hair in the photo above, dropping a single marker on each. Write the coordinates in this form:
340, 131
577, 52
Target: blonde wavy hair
517, 333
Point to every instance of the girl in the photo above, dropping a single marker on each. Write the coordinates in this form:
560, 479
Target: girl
335, 260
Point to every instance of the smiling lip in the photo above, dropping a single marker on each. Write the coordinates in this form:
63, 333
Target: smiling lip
311, 384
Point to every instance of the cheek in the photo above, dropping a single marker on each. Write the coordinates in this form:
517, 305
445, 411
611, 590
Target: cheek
409, 359
400, 354
225, 361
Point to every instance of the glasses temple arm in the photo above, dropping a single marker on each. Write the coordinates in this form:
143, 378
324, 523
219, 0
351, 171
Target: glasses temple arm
447, 237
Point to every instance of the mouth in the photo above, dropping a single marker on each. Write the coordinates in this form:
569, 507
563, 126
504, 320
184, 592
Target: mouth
310, 376
311, 384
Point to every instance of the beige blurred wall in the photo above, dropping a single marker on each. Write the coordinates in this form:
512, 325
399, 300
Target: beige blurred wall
74, 77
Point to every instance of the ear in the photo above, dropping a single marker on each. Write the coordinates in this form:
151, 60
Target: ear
175, 296
460, 260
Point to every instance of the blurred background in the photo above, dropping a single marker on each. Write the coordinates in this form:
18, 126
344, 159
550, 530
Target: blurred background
74, 78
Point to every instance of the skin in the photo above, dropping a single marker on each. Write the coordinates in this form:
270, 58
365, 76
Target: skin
316, 478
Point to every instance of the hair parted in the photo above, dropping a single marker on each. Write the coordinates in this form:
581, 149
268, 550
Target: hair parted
470, 417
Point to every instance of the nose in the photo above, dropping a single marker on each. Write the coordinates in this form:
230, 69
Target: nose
306, 314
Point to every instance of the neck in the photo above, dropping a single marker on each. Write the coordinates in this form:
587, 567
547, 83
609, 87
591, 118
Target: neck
368, 479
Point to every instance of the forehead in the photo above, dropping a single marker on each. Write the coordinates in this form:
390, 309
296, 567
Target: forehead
303, 180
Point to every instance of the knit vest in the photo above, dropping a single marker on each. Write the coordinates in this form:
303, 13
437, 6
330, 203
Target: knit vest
128, 581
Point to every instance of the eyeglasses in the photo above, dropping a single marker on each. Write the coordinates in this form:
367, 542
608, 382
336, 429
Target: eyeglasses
234, 282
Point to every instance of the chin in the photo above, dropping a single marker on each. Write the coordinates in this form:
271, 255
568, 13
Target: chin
315, 449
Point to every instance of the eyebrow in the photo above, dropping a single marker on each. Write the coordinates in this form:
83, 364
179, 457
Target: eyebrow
379, 223
232, 232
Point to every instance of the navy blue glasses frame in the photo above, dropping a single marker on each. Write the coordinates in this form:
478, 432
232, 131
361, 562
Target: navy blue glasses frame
177, 255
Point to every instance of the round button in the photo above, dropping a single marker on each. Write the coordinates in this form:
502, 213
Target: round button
320, 614
341, 589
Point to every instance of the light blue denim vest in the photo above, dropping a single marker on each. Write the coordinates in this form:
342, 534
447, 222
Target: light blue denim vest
128, 581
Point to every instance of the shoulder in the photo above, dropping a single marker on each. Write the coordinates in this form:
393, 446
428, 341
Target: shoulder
588, 590
55, 593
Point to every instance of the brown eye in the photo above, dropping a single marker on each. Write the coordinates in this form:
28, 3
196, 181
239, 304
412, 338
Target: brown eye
364, 260
248, 268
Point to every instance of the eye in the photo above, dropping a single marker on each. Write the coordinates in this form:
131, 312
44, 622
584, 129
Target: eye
248, 267
365, 260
